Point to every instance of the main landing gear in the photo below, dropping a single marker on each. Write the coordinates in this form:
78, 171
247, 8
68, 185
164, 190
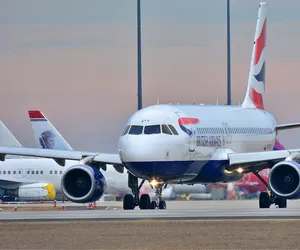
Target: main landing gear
266, 199
144, 202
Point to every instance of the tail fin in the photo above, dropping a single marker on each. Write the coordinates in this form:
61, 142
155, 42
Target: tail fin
45, 134
256, 80
7, 139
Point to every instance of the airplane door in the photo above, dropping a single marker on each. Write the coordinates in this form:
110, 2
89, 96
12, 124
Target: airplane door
192, 136
27, 173
227, 134
19, 173
192, 140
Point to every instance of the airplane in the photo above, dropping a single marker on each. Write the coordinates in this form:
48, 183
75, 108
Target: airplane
169, 144
47, 136
12, 181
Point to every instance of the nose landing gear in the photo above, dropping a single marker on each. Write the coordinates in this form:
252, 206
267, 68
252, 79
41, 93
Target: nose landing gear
130, 201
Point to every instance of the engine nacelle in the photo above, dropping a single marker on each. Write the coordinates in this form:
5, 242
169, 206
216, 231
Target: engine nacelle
34, 192
284, 179
82, 183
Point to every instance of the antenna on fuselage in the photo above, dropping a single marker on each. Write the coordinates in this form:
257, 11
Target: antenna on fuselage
217, 102
157, 101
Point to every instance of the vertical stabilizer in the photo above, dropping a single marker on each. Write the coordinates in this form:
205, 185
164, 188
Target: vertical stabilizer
45, 134
256, 81
7, 139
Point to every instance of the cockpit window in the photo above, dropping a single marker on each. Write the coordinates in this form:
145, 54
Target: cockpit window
153, 129
136, 130
126, 129
165, 129
173, 129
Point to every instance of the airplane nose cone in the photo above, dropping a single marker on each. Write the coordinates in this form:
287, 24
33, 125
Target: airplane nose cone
150, 157
133, 150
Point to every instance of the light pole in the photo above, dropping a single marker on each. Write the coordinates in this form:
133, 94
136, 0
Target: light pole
228, 55
139, 56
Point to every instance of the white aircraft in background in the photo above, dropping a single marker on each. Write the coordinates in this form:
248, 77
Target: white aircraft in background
47, 136
165, 144
17, 179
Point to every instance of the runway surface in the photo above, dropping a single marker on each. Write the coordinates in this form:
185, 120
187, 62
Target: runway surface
177, 210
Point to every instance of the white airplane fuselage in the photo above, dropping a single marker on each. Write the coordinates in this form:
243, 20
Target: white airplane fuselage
18, 172
199, 153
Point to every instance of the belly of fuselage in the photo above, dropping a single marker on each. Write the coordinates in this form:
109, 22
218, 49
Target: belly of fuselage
164, 170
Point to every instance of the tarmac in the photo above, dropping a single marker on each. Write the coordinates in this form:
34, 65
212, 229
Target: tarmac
183, 225
176, 210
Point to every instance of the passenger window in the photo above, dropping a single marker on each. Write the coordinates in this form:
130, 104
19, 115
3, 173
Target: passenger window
125, 131
60, 172
20, 172
8, 172
55, 172
50, 172
14, 172
32, 172
28, 172
165, 129
0, 171
41, 172
136, 130
4, 172
37, 172
153, 129
173, 129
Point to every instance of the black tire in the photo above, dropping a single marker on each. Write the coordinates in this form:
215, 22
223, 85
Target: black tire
162, 205
144, 201
153, 205
264, 200
128, 202
281, 202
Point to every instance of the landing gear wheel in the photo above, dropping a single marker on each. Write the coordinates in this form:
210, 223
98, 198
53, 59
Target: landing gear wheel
162, 205
281, 202
144, 201
264, 200
128, 202
153, 205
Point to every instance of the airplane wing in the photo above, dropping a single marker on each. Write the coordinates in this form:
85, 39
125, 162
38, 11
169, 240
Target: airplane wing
259, 160
249, 162
61, 155
287, 126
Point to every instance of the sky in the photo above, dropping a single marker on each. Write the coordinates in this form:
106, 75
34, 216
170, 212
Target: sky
76, 62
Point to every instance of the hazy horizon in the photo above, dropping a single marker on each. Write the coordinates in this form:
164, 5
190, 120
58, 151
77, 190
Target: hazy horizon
76, 62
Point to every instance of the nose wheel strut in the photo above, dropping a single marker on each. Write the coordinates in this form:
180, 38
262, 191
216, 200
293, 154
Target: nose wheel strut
130, 201
158, 193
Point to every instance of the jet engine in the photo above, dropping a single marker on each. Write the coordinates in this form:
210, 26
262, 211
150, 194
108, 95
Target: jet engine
284, 179
34, 192
82, 183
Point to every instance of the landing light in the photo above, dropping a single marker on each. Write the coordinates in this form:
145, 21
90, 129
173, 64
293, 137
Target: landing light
153, 183
240, 170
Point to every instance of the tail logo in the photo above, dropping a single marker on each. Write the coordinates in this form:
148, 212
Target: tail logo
47, 139
260, 44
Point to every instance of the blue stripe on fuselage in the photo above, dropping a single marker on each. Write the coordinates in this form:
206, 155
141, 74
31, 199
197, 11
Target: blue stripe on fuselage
213, 171
196, 171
